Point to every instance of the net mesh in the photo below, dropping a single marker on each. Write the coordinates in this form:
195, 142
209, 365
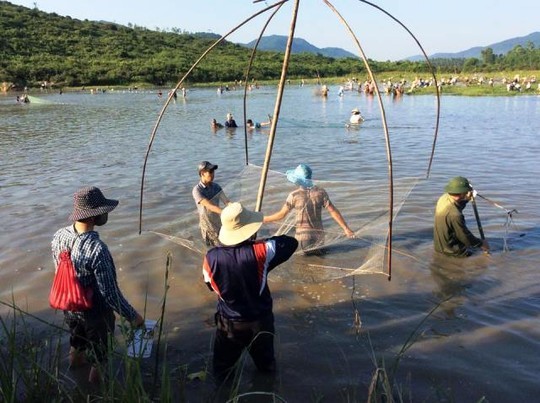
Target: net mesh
363, 205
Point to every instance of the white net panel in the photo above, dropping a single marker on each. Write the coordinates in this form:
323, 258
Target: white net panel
363, 205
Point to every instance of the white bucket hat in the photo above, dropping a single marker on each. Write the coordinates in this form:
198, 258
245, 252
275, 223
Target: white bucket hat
238, 224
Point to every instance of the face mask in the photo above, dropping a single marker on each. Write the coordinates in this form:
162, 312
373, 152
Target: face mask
462, 203
101, 220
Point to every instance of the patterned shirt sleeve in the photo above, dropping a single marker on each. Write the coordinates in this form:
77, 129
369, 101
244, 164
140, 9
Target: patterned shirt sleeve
197, 195
326, 199
105, 273
94, 265
290, 201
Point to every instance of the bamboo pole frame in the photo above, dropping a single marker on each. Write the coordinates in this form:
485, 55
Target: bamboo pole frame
279, 97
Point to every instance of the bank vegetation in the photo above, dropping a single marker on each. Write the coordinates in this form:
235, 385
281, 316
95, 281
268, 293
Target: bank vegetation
44, 49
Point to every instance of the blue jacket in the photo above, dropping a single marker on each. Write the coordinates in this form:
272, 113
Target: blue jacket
238, 274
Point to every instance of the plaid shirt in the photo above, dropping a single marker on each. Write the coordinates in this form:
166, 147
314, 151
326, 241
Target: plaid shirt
95, 267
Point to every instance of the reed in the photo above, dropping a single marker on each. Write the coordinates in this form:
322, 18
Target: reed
29, 361
32, 363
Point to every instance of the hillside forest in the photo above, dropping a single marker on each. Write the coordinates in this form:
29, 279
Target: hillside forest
37, 47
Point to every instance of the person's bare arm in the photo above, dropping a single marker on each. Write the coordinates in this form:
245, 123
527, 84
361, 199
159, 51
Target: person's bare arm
280, 215
209, 206
336, 215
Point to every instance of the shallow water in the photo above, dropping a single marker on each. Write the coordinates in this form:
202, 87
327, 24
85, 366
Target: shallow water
483, 339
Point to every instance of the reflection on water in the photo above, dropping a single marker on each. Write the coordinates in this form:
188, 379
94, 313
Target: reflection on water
488, 318
453, 278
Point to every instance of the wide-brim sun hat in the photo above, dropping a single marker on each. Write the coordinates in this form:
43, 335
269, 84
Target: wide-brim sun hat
301, 176
90, 202
458, 185
238, 224
355, 110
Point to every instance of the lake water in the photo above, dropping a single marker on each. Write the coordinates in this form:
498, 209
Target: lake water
482, 341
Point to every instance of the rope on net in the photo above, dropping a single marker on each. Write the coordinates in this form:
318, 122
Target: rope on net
509, 220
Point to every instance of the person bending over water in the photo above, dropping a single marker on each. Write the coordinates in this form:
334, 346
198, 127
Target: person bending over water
450, 233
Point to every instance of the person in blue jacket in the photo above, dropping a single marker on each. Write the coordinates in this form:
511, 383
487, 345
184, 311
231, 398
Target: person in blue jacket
237, 272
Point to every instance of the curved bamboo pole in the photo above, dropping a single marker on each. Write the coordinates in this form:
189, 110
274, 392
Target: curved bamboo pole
432, 70
386, 136
246, 78
169, 98
277, 107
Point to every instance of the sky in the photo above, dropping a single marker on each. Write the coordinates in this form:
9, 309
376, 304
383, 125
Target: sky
439, 26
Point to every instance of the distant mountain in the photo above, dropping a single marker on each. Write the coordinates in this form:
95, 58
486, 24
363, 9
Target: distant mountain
499, 48
278, 43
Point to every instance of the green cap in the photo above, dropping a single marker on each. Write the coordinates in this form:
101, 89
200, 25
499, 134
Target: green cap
458, 185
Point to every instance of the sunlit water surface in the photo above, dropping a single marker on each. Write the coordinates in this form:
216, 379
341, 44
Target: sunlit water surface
484, 338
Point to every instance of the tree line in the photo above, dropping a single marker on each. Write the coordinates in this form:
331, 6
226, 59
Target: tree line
36, 47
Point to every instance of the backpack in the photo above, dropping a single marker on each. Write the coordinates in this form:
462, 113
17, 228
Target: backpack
67, 293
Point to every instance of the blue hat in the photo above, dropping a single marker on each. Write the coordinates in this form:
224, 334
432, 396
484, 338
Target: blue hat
301, 176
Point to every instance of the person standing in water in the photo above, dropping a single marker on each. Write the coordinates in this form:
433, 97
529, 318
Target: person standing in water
208, 195
450, 233
230, 122
308, 201
91, 329
356, 117
237, 271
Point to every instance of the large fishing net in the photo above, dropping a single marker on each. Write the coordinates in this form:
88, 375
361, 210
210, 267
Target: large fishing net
364, 206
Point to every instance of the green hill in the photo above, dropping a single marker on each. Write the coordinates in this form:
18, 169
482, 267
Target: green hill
36, 46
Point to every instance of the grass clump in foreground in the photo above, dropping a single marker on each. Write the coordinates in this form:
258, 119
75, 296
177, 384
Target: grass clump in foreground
33, 366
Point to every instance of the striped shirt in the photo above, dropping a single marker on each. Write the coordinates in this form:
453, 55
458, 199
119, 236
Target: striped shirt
95, 268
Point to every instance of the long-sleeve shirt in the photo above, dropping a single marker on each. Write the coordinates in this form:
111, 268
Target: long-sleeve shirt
95, 268
238, 275
450, 233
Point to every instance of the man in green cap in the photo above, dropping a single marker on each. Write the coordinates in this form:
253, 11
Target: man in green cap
450, 233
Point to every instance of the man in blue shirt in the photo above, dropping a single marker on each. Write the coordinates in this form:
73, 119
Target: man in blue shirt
237, 272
